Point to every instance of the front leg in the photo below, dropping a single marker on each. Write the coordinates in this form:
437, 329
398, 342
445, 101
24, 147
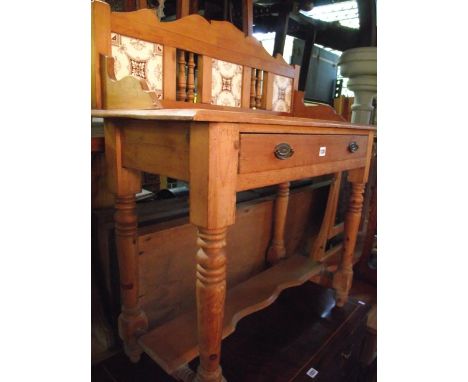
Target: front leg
214, 150
343, 278
211, 292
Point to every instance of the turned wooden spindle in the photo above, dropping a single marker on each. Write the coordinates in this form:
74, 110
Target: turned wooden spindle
191, 78
344, 275
277, 251
253, 78
132, 320
181, 80
259, 90
211, 291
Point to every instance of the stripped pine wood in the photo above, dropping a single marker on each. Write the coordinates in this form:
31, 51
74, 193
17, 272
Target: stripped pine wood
217, 39
181, 79
171, 352
317, 251
170, 73
269, 178
333, 229
213, 155
267, 91
246, 87
257, 150
259, 89
253, 90
213, 167
220, 152
248, 122
336, 229
100, 45
210, 291
320, 111
277, 250
342, 279
132, 320
191, 78
166, 143
125, 183
204, 79
167, 255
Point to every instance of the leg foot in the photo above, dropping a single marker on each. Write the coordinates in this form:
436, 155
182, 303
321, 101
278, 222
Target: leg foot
131, 326
342, 283
133, 353
209, 376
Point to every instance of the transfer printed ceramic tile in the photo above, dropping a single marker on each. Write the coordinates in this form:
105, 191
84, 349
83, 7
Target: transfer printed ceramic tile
226, 83
140, 59
282, 87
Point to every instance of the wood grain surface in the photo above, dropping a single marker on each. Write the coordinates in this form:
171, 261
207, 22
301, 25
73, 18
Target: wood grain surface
244, 117
171, 352
257, 150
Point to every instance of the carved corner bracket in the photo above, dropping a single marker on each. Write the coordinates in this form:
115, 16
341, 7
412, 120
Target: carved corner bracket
318, 111
127, 93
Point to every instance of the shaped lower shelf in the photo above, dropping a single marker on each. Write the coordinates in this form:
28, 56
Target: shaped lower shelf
175, 343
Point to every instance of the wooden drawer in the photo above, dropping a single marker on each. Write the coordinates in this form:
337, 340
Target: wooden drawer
257, 151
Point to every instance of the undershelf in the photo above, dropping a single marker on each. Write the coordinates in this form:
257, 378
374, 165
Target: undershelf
175, 343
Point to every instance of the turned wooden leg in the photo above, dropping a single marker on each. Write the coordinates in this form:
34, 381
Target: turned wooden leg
371, 230
277, 251
214, 153
132, 320
211, 292
344, 275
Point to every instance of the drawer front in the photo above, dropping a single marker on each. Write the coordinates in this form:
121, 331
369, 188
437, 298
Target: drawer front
266, 152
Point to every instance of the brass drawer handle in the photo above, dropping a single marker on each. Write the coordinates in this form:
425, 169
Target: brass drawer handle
283, 151
353, 147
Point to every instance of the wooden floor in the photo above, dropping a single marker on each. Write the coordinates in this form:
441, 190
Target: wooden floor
118, 368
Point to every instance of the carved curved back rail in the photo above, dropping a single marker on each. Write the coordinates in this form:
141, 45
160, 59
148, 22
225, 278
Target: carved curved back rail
190, 61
